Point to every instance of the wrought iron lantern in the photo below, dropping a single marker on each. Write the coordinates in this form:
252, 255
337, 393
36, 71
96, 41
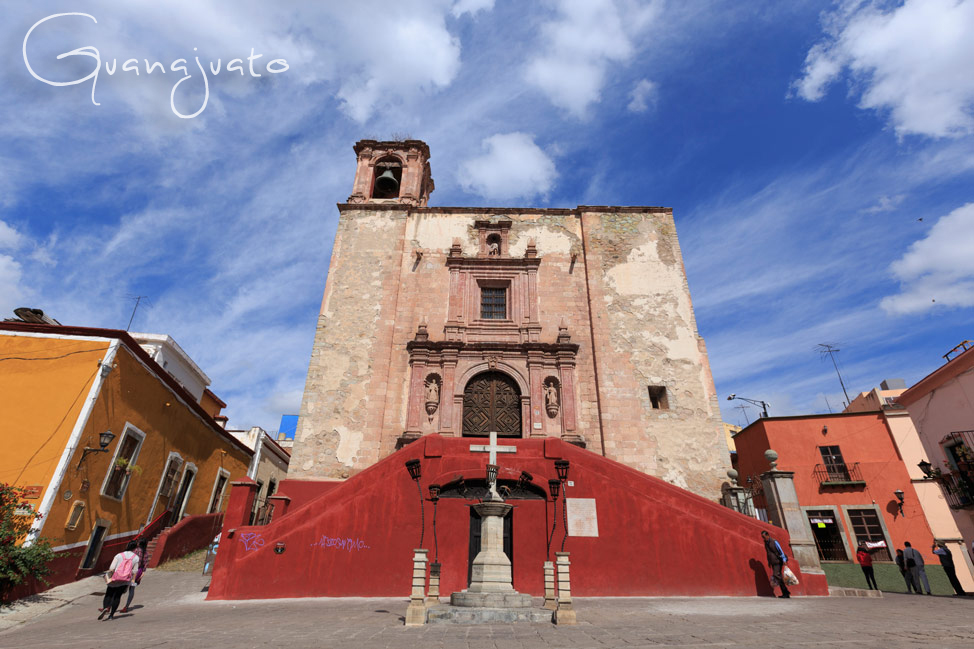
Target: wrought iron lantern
561, 466
926, 467
103, 441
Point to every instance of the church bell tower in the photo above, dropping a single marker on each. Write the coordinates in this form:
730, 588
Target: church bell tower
392, 172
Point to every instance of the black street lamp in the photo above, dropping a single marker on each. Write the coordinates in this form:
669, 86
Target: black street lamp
415, 472
755, 402
926, 467
103, 441
561, 467
554, 487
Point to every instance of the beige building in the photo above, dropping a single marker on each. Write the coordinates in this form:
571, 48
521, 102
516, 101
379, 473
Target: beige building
268, 467
534, 323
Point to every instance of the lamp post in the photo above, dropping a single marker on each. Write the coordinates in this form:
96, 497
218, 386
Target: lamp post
103, 441
757, 402
415, 472
561, 467
554, 488
435, 498
899, 496
926, 467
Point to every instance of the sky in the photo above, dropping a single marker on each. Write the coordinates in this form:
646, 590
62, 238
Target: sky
818, 157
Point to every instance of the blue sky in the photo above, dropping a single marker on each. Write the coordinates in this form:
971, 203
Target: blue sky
818, 156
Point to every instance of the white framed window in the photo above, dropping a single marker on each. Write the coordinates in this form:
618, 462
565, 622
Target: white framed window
167, 482
120, 472
185, 488
219, 488
74, 516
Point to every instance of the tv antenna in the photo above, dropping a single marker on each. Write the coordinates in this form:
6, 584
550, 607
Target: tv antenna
138, 299
743, 409
832, 350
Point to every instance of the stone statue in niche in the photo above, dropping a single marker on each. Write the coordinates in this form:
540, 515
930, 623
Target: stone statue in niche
432, 397
493, 250
551, 398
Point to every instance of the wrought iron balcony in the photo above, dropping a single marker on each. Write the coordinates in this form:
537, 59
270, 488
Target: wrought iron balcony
839, 475
957, 488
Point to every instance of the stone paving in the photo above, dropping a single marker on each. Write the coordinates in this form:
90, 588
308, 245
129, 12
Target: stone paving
171, 612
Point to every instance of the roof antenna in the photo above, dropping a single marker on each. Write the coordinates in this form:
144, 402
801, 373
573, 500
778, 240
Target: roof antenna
831, 350
137, 298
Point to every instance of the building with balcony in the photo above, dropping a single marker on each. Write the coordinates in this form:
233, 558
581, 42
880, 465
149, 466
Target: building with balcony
850, 469
941, 409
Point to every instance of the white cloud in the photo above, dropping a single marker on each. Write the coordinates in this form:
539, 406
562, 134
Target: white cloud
461, 7
913, 61
937, 270
580, 44
513, 166
886, 204
11, 291
643, 95
9, 238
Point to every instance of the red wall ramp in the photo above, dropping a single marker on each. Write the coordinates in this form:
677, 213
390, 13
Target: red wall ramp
355, 538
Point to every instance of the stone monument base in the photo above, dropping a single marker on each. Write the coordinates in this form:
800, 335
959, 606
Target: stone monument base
510, 599
485, 615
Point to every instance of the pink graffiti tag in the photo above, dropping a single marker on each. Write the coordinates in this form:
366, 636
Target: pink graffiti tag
251, 540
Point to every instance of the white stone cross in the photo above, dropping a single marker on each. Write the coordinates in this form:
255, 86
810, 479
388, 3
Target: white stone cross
492, 448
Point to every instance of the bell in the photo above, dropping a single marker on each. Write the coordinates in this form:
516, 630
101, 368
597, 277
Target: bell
386, 184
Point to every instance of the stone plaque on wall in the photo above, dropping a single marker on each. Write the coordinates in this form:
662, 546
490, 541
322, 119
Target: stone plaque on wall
582, 518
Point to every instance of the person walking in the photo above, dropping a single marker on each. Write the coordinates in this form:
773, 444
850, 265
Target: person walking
865, 558
140, 551
914, 563
947, 561
907, 577
776, 561
120, 574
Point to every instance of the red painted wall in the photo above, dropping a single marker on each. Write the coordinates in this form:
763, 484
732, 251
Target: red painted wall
191, 533
861, 437
357, 538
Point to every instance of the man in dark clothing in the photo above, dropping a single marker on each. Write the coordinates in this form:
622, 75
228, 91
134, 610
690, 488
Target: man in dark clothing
947, 561
776, 561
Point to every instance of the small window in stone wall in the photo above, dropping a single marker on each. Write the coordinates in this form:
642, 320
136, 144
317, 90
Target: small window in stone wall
658, 398
493, 303
77, 509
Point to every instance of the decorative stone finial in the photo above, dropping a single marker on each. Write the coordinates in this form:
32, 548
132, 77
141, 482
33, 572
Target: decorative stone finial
772, 457
733, 475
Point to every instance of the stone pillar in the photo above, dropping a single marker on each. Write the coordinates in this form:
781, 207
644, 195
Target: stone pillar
491, 571
564, 614
416, 611
785, 512
446, 392
417, 393
536, 377
550, 598
434, 595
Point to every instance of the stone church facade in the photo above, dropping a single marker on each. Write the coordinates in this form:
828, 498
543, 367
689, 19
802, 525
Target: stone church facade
569, 323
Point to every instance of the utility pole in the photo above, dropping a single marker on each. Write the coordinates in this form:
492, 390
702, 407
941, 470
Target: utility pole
831, 350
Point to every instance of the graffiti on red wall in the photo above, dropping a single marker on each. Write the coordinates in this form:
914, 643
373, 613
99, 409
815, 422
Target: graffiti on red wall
251, 540
340, 543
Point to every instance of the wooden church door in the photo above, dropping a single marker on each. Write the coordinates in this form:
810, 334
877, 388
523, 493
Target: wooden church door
475, 521
492, 402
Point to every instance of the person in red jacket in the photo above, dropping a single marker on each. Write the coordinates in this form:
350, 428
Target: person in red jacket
865, 558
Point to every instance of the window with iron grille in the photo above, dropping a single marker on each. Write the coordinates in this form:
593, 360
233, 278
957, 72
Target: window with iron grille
866, 527
493, 303
834, 464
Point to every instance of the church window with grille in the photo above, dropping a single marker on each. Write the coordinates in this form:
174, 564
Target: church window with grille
493, 303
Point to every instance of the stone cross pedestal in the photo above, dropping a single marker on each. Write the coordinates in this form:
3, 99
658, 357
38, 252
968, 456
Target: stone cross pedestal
550, 597
565, 613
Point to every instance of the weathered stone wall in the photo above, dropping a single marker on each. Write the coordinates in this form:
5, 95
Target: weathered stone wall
388, 274
645, 335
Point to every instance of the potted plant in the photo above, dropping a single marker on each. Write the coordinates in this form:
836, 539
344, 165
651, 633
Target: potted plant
126, 465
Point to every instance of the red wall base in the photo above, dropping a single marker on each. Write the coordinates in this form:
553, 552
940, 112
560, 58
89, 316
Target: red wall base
356, 538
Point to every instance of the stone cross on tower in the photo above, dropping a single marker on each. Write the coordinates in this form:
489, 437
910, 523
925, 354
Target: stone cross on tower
493, 448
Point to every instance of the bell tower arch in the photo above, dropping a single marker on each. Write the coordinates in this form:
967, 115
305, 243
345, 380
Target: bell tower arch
392, 172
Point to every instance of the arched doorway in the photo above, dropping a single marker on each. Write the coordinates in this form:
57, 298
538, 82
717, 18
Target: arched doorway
492, 402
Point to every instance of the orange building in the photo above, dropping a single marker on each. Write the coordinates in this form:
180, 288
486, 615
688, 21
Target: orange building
848, 470
166, 457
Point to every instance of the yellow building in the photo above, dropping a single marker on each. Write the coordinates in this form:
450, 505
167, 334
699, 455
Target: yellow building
64, 390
